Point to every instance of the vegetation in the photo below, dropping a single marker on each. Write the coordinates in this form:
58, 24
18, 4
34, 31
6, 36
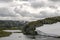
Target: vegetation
12, 28
4, 34
9, 24
30, 27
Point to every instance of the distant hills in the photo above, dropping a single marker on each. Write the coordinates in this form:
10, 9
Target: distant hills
7, 24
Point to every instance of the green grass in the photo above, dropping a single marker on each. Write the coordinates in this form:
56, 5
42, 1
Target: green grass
12, 28
4, 34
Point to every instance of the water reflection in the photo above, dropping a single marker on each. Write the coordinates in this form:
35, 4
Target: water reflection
20, 36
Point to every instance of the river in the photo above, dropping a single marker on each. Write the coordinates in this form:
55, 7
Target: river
49, 29
20, 36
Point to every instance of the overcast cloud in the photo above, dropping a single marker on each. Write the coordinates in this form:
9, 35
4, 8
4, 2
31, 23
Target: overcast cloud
28, 10
5, 0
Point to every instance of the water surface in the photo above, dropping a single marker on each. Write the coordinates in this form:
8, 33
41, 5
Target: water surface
49, 29
20, 36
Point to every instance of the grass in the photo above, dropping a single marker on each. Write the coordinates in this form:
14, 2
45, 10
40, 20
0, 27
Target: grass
13, 28
4, 34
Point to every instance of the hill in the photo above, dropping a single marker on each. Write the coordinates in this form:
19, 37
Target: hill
31, 26
10, 24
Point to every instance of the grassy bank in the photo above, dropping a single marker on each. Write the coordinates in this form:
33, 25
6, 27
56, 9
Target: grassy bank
4, 34
12, 28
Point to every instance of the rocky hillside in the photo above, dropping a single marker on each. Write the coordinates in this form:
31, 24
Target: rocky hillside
30, 27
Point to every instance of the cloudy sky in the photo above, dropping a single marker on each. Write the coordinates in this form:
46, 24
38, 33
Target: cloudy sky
28, 10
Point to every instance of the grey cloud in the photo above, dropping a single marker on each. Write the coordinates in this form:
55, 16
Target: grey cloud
6, 0
28, 14
49, 3
23, 13
55, 0
53, 6
37, 4
37, 15
27, 0
4, 12
46, 14
23, 0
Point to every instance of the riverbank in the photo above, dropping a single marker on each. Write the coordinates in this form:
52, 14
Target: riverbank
13, 31
4, 34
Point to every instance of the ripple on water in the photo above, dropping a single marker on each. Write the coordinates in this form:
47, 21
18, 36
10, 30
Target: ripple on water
20, 36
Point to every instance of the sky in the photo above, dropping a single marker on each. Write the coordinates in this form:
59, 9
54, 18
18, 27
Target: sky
28, 10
